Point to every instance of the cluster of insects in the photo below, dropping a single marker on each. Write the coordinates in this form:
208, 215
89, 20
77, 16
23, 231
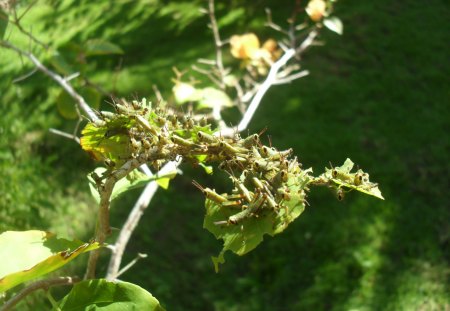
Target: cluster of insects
266, 182
343, 180
265, 179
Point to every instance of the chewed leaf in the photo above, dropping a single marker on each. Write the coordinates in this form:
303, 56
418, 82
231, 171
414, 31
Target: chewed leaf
27, 255
248, 233
108, 142
101, 294
239, 238
343, 178
346, 167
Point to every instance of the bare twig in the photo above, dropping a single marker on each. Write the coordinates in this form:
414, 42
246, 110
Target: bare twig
60, 80
291, 78
42, 284
271, 24
131, 264
16, 22
25, 76
132, 221
64, 134
207, 73
270, 80
307, 42
217, 42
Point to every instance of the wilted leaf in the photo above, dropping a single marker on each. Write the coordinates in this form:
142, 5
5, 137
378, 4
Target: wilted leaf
26, 255
334, 24
101, 47
101, 294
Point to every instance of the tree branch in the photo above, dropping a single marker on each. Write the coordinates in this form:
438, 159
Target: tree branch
103, 229
132, 221
60, 80
270, 80
217, 42
42, 284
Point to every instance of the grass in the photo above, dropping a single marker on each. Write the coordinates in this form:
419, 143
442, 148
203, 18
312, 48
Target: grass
378, 95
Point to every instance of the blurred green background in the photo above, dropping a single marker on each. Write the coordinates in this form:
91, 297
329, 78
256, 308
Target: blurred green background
379, 95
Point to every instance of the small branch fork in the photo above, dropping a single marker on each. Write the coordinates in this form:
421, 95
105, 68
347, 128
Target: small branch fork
42, 284
132, 221
281, 72
103, 228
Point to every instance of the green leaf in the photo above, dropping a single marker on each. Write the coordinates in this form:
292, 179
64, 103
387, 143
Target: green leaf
185, 92
344, 178
3, 23
27, 255
213, 98
231, 18
66, 104
208, 168
61, 64
100, 294
134, 180
110, 141
101, 47
334, 24
245, 236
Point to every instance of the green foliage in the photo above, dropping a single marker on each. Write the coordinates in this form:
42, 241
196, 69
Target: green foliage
101, 47
67, 106
133, 180
244, 227
346, 181
28, 255
3, 23
378, 98
101, 294
268, 195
